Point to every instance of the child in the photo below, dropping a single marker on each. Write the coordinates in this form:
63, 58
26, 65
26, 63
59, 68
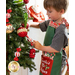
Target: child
55, 38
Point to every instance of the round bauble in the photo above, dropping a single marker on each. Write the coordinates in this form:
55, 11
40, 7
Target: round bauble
9, 10
31, 55
8, 15
17, 54
13, 66
9, 28
32, 51
22, 31
26, 1
18, 49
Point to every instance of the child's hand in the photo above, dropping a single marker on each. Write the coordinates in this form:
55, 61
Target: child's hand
33, 24
37, 45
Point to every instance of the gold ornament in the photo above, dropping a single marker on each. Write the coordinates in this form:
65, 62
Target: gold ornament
13, 66
9, 28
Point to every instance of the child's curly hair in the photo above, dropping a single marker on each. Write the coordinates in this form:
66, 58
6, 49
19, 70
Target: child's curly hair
57, 4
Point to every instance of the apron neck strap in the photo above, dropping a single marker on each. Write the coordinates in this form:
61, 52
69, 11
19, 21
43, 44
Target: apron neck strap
55, 25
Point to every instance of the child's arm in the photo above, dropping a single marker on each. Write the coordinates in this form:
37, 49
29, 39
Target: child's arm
38, 46
34, 24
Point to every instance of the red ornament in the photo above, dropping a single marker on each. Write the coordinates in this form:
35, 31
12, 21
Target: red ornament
8, 15
26, 1
22, 25
16, 59
17, 54
31, 55
22, 31
9, 10
32, 51
8, 24
18, 49
27, 26
31, 43
7, 20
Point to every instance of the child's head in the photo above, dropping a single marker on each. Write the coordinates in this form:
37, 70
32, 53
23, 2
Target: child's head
55, 8
56, 4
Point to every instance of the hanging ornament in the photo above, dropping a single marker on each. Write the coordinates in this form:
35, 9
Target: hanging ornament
8, 15
17, 54
9, 28
9, 10
16, 59
7, 20
18, 49
31, 43
27, 26
22, 31
29, 39
26, 1
36, 13
18, 2
13, 66
32, 53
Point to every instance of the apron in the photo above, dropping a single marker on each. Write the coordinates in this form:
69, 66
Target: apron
56, 58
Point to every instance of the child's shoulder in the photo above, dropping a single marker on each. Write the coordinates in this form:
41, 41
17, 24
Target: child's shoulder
63, 30
61, 27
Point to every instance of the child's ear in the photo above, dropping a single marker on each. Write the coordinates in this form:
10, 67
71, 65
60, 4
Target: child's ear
62, 11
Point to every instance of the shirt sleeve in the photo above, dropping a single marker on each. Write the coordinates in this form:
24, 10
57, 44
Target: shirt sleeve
43, 26
59, 40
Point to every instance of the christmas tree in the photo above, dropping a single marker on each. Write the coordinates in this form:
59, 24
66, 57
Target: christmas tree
18, 45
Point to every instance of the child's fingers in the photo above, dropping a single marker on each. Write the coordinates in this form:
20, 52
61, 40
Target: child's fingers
34, 43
